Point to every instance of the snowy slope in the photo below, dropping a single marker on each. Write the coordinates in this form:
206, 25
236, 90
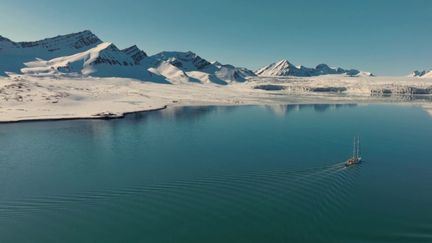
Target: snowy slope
135, 53
285, 68
104, 60
15, 54
231, 73
204, 77
84, 54
172, 73
202, 69
187, 61
421, 74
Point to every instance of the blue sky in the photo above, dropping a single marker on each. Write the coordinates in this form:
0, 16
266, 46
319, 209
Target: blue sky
387, 37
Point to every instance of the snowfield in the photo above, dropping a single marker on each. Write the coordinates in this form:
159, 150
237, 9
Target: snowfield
25, 97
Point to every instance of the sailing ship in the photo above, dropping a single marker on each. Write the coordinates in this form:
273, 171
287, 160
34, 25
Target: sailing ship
356, 158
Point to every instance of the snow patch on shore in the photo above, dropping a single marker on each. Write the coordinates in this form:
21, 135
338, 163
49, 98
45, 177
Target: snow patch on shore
24, 97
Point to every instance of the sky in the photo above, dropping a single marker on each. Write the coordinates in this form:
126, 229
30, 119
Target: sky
386, 37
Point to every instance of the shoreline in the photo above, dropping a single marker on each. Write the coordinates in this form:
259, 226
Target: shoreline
121, 116
30, 99
125, 114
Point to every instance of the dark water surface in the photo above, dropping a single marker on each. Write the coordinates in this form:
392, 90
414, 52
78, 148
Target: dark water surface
220, 174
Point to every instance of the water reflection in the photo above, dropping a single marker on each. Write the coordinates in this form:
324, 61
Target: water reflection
282, 110
102, 129
184, 113
103, 132
403, 97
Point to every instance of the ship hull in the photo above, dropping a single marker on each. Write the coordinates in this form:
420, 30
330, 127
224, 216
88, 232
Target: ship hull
352, 162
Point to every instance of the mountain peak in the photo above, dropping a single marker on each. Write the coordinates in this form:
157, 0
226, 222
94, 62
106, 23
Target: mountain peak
322, 66
284, 61
7, 43
78, 40
280, 68
421, 74
2, 38
285, 68
188, 61
135, 53
19, 53
103, 60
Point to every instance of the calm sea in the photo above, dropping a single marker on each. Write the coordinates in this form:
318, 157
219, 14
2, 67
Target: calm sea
220, 174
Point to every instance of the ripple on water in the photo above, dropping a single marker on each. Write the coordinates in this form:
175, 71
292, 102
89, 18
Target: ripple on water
259, 195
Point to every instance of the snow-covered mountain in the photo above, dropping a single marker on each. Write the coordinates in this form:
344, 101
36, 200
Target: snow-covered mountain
104, 60
135, 53
421, 74
14, 54
231, 73
214, 72
84, 54
172, 73
285, 68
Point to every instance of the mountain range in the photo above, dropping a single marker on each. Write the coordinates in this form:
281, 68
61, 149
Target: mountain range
85, 54
285, 68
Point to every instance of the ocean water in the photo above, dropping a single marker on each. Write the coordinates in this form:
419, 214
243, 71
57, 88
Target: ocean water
220, 174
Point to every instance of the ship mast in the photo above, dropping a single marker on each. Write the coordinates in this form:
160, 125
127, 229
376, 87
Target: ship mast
358, 147
354, 148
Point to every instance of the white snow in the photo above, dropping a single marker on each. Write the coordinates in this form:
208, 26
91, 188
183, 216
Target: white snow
203, 70
104, 60
421, 74
79, 76
14, 54
281, 68
285, 68
83, 54
24, 97
171, 72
